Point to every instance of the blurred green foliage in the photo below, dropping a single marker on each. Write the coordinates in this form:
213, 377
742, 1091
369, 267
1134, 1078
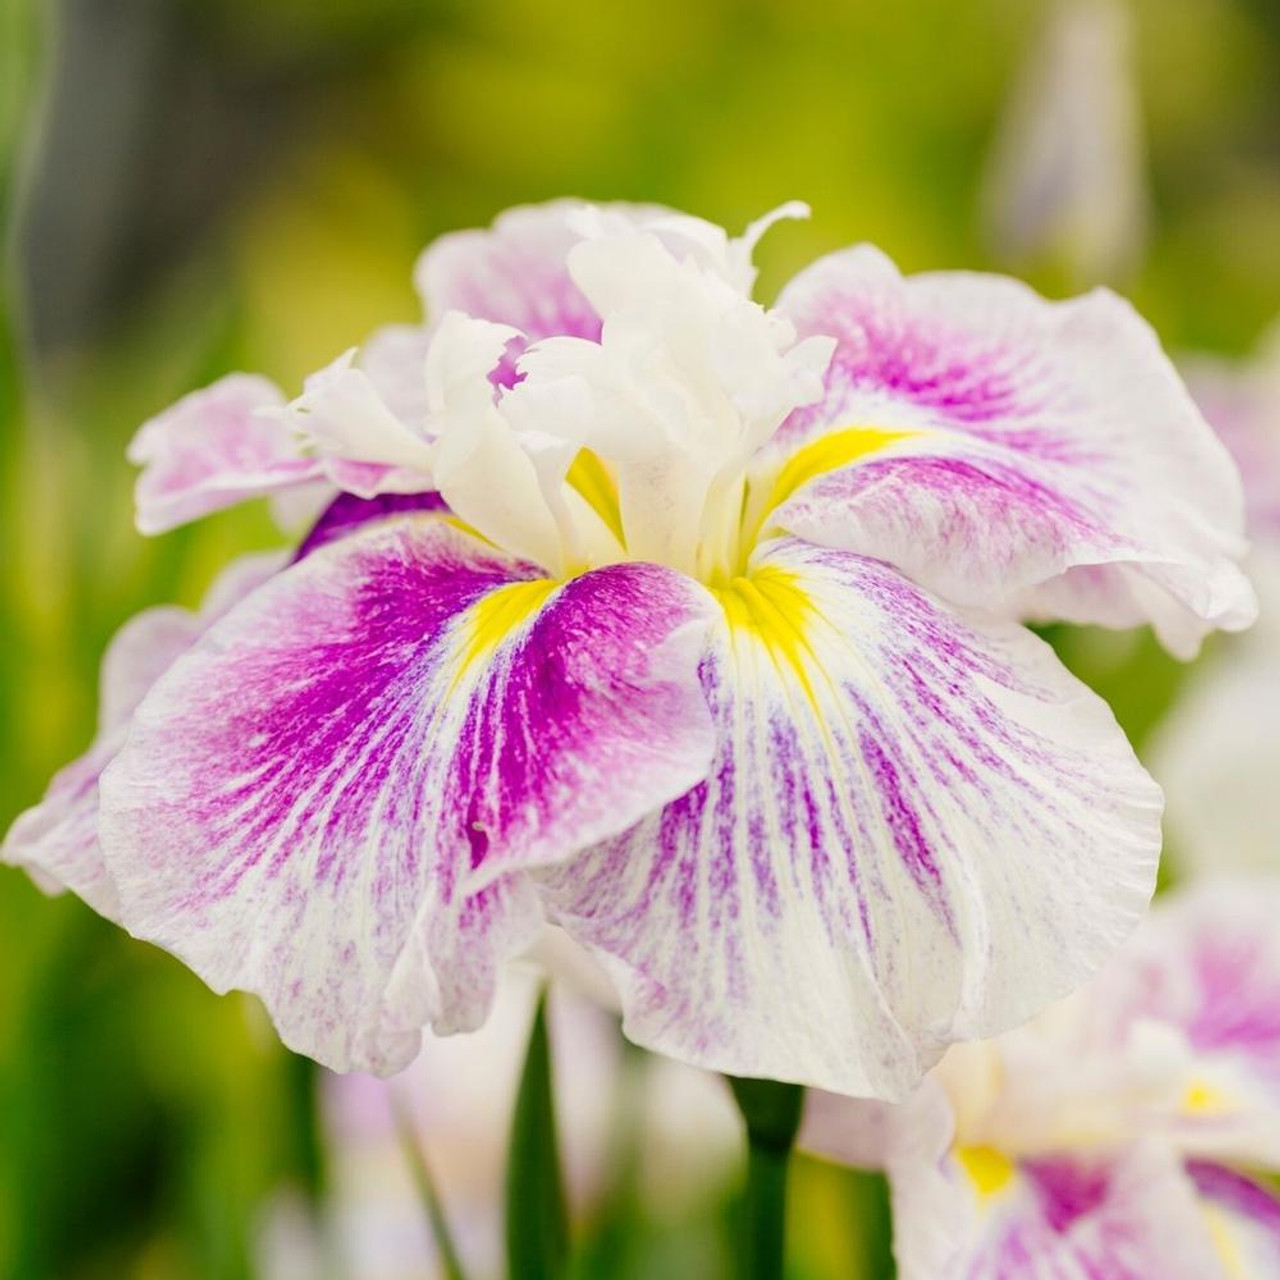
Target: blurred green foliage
245, 183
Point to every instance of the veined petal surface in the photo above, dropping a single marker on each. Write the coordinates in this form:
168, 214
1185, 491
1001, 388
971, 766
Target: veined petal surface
56, 841
1046, 458
918, 828
214, 448
330, 800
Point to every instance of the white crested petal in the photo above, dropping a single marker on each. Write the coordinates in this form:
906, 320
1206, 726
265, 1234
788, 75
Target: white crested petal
516, 272
394, 359
343, 418
919, 819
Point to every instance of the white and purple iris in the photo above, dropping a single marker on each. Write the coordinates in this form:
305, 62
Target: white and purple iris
1130, 1132
690, 628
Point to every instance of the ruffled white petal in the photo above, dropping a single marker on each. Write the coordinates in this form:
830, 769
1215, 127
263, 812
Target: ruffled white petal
918, 820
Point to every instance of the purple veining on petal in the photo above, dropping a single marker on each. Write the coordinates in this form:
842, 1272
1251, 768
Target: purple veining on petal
326, 801
1237, 1193
1054, 465
347, 513
922, 801
1067, 1190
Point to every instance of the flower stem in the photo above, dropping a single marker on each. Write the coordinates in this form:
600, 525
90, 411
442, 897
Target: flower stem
428, 1196
771, 1112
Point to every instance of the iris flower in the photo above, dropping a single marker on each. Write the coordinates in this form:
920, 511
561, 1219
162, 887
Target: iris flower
688, 627
1128, 1132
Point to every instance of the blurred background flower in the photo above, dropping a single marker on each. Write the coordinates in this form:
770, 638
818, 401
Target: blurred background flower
192, 186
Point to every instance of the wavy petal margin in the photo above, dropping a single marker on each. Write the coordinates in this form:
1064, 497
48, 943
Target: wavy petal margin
330, 799
214, 448
1045, 457
56, 841
917, 829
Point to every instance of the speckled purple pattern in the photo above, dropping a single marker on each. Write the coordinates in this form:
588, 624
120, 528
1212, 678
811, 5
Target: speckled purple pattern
1051, 438
313, 801
946, 837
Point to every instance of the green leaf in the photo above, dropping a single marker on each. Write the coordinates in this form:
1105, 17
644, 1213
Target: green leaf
428, 1196
771, 1112
537, 1222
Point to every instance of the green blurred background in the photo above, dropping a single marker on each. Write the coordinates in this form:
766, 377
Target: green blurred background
194, 187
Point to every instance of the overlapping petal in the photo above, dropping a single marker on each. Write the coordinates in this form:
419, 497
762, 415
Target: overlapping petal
974, 1215
214, 448
916, 829
516, 273
330, 799
57, 840
1206, 966
1124, 1132
1040, 457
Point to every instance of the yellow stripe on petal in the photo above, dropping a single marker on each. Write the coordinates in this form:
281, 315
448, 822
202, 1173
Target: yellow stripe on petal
1205, 1099
593, 481
830, 452
1225, 1245
495, 616
989, 1170
771, 606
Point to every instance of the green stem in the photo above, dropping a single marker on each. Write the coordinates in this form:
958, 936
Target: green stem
771, 1112
415, 1157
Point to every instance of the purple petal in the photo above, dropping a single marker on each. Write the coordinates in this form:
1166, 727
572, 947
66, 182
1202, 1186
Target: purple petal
1052, 464
328, 801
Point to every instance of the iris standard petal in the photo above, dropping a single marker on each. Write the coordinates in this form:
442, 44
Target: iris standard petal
56, 841
328, 801
513, 273
917, 828
1041, 457
212, 449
